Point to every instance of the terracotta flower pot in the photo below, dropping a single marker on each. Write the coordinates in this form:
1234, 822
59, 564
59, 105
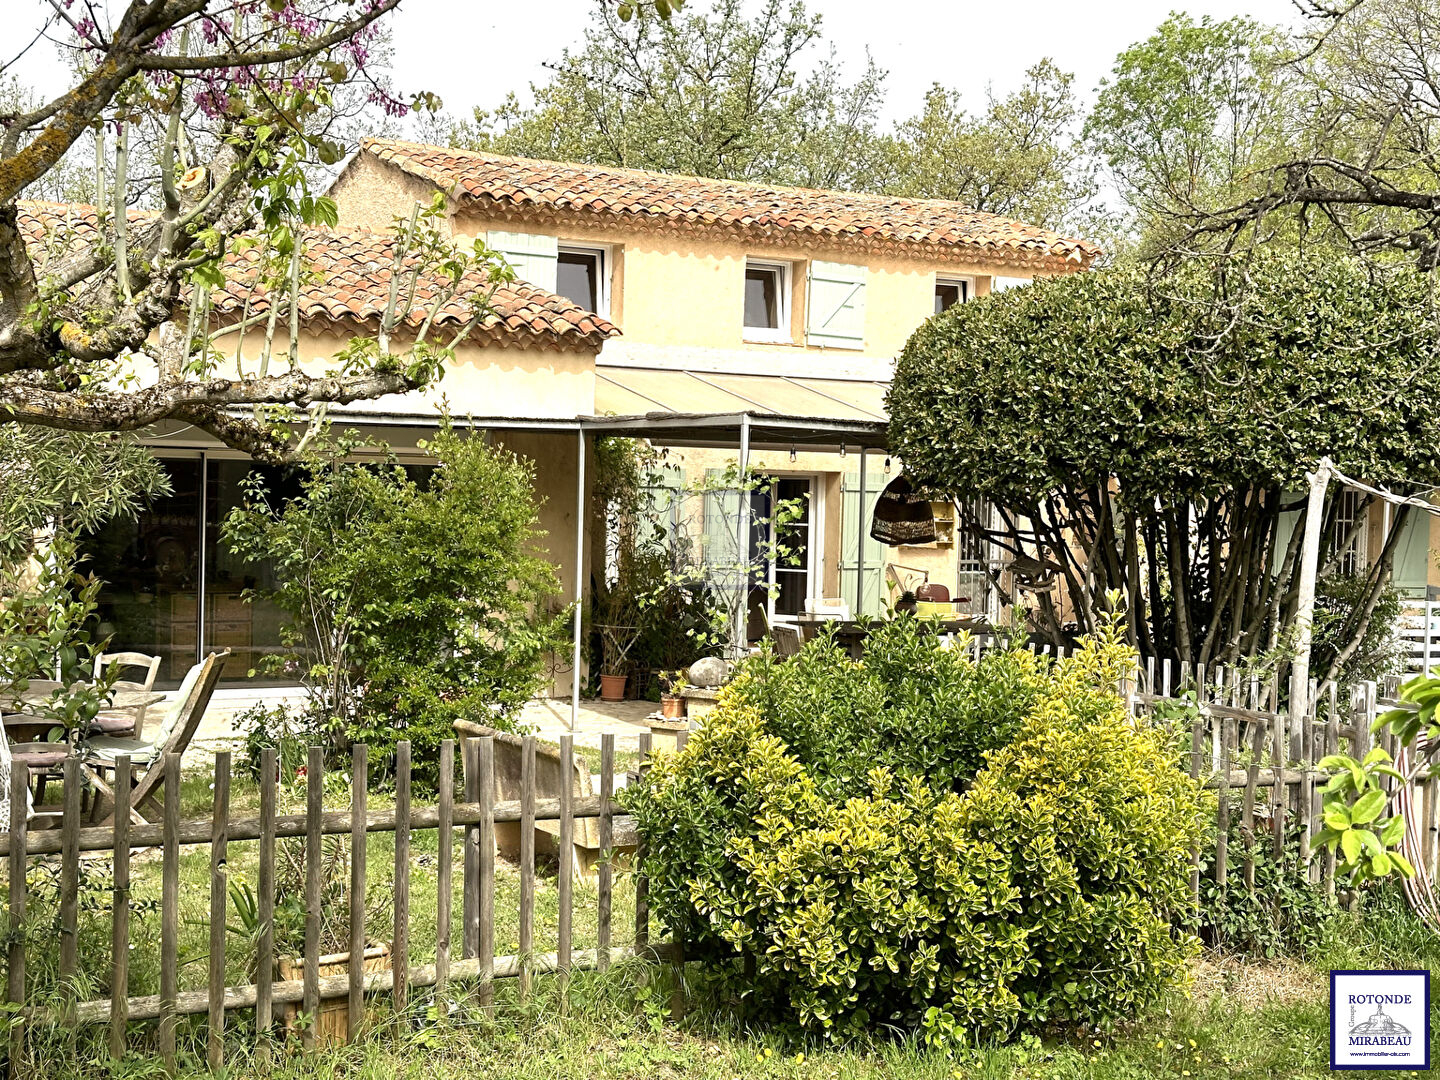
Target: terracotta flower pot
612, 687
672, 706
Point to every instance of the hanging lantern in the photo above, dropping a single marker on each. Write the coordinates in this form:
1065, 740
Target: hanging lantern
902, 516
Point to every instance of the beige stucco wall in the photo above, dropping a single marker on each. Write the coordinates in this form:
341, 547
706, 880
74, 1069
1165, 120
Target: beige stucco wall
372, 194
687, 289
484, 379
674, 288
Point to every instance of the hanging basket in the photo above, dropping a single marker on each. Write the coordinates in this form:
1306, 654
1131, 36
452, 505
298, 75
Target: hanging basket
902, 516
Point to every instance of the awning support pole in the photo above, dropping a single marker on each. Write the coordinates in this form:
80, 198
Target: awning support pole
1305, 591
579, 581
860, 545
739, 620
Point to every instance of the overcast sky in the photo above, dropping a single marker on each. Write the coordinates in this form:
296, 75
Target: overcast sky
473, 53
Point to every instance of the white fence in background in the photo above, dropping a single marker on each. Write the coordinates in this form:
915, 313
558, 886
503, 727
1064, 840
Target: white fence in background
1419, 633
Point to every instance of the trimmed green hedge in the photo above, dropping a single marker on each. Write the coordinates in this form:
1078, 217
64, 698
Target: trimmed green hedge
1040, 894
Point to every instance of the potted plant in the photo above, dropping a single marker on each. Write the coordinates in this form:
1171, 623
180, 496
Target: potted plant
672, 696
289, 926
616, 641
618, 615
905, 602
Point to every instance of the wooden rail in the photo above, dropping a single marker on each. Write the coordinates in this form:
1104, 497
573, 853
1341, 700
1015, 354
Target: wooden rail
478, 966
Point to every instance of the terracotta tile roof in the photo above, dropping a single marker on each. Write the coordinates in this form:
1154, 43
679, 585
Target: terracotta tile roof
354, 268
349, 282
531, 186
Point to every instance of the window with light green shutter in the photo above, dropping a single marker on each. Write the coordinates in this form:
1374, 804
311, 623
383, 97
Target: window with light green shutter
1411, 569
532, 256
836, 299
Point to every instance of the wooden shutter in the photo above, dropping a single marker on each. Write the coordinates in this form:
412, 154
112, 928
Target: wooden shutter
1411, 569
531, 255
836, 296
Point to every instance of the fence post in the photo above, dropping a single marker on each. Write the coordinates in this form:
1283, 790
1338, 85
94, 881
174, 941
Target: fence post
566, 884
1222, 811
265, 904
677, 939
169, 911
120, 911
15, 958
1332, 746
359, 780
1196, 747
314, 813
1252, 780
485, 868
606, 840
400, 947
445, 872
70, 886
527, 863
642, 885
219, 833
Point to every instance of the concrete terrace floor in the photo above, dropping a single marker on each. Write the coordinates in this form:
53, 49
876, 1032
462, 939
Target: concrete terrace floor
548, 718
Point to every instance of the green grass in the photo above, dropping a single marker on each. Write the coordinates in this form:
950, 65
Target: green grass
243, 866
617, 1029
625, 760
617, 1026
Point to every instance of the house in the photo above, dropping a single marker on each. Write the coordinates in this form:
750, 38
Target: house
721, 320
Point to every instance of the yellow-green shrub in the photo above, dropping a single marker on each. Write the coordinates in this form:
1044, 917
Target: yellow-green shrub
1040, 894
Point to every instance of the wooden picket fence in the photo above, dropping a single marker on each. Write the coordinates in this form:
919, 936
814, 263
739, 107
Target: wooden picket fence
477, 967
1262, 762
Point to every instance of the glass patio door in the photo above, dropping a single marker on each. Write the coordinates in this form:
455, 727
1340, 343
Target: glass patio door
781, 586
151, 569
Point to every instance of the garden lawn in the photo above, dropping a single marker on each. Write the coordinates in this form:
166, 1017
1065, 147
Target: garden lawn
242, 865
1243, 1019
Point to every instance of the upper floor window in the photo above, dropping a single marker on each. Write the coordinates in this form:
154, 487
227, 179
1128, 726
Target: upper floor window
949, 292
582, 277
767, 301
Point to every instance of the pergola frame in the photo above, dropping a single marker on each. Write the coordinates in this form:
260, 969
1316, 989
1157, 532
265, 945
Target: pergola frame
743, 431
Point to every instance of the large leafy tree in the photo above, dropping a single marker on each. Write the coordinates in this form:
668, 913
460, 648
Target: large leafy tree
210, 121
1017, 158
223, 107
756, 97
1358, 166
1141, 433
1187, 119
711, 93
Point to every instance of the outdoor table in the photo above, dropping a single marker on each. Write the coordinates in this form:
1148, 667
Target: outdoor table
120, 700
851, 633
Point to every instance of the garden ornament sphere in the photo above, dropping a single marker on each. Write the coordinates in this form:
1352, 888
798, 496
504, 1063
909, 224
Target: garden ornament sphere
709, 672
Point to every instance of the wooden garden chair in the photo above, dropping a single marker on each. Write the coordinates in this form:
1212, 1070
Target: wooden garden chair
150, 665
171, 737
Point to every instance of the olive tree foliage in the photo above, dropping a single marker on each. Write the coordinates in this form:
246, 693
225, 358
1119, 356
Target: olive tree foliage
65, 482
1140, 433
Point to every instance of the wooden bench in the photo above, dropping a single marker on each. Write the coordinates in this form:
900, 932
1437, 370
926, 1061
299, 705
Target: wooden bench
549, 775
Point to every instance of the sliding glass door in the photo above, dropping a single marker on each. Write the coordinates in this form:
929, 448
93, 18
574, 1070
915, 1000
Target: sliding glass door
172, 588
150, 569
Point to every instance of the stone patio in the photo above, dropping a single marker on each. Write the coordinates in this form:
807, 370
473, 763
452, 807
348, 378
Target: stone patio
548, 718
